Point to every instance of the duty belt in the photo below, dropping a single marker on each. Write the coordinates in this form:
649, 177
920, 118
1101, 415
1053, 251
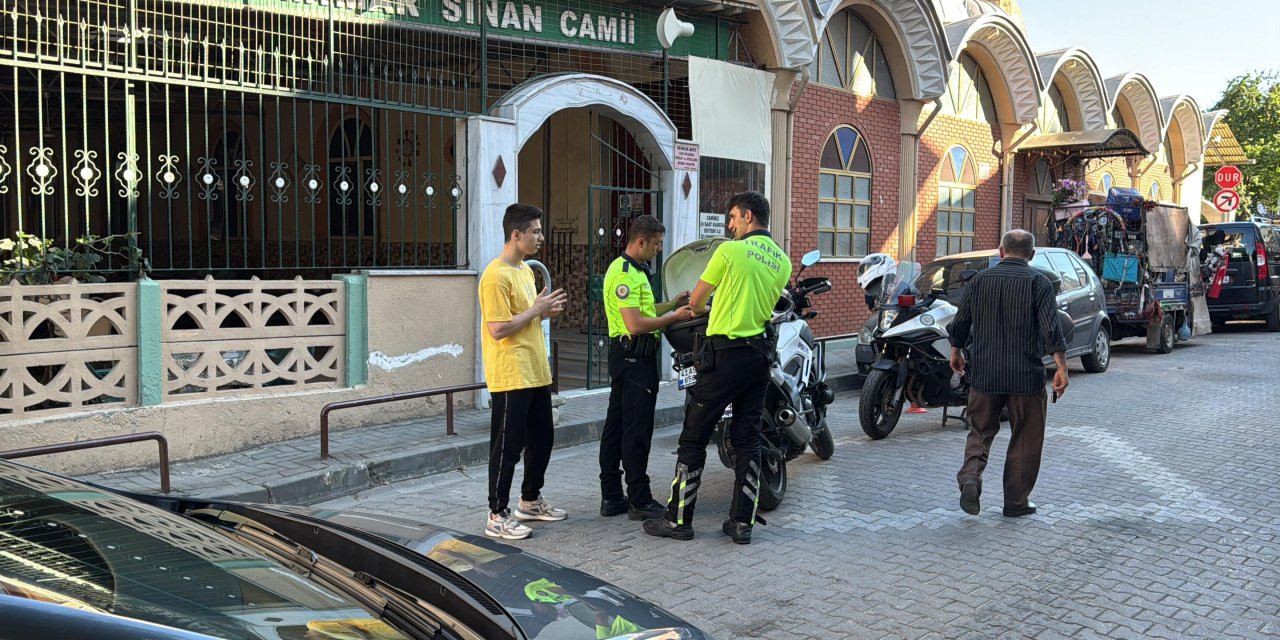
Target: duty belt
721, 343
645, 344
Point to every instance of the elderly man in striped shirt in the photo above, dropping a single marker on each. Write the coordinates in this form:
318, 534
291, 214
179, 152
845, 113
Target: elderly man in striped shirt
1008, 321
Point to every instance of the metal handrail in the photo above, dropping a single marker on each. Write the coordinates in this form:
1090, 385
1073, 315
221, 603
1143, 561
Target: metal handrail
842, 336
102, 442
408, 395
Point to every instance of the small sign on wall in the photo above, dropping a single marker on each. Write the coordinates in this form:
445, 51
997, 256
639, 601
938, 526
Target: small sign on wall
984, 170
686, 156
710, 225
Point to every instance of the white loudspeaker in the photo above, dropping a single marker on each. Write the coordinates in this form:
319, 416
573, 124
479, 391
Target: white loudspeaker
670, 27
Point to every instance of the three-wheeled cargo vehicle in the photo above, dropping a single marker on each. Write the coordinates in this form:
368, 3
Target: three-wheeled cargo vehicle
1147, 255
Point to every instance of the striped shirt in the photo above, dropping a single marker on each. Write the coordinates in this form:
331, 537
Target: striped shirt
1008, 320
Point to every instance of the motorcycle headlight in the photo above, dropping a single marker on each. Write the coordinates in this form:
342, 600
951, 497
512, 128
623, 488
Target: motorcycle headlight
926, 320
867, 335
887, 317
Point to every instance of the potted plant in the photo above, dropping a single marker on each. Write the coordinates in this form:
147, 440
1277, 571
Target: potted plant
29, 259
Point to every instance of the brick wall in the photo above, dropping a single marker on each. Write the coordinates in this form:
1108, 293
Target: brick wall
820, 111
979, 139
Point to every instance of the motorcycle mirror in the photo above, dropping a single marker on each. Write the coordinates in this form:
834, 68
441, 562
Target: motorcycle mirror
967, 275
811, 258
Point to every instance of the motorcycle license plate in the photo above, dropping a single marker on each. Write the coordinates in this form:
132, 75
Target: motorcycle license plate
686, 377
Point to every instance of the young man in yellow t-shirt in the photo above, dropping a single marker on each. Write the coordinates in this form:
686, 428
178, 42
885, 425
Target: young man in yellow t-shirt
518, 376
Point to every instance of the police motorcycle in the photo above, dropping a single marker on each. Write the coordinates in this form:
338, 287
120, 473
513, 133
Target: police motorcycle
795, 412
911, 345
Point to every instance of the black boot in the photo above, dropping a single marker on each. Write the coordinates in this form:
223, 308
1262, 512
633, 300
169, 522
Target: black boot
739, 531
969, 497
663, 528
646, 511
610, 508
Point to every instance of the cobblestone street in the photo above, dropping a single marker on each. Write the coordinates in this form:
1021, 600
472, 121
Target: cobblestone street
1158, 518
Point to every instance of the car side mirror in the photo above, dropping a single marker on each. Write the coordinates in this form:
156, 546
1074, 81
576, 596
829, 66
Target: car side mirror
811, 258
967, 275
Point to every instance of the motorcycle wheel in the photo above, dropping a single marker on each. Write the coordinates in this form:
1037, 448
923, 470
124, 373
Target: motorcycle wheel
877, 412
773, 481
823, 443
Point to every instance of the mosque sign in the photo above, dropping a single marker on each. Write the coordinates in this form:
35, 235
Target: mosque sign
573, 23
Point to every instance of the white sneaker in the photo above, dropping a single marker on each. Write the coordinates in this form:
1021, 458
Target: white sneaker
539, 509
502, 525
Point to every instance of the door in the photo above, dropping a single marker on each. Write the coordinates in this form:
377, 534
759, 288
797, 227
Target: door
1078, 299
1093, 297
1068, 298
1240, 246
1038, 220
621, 189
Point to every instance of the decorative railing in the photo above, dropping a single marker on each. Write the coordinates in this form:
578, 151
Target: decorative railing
76, 347
67, 347
223, 338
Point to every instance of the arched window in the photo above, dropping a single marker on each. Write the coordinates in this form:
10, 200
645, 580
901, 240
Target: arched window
957, 183
1043, 185
968, 92
1054, 117
850, 57
350, 159
844, 195
1106, 183
1155, 192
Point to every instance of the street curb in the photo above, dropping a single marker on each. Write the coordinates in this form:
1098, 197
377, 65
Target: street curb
359, 473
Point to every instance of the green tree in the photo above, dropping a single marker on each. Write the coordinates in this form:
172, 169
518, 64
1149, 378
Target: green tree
1253, 104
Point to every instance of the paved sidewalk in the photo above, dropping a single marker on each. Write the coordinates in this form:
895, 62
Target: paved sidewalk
291, 472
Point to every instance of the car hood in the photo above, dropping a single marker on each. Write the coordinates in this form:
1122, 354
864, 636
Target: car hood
549, 601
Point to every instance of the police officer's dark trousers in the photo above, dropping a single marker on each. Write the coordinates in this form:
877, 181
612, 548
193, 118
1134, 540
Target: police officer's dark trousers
739, 377
628, 426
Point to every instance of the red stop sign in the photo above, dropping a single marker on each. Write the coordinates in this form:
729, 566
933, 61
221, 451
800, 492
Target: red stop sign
1228, 177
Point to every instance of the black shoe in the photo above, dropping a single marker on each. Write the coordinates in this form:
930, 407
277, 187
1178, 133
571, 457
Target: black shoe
610, 508
645, 512
969, 492
739, 531
663, 528
1018, 512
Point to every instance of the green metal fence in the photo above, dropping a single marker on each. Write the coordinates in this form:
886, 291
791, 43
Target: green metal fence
277, 138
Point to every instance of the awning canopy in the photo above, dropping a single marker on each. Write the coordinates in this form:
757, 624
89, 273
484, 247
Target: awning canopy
1223, 147
1101, 143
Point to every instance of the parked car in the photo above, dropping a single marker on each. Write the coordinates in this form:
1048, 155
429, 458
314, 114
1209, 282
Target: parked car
78, 560
1081, 296
1246, 256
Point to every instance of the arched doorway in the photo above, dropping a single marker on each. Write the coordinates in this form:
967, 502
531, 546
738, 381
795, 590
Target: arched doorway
588, 173
594, 153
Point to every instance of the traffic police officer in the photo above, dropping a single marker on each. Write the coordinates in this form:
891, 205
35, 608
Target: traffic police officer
733, 360
634, 322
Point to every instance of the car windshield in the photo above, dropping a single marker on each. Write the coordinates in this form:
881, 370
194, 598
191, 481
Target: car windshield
64, 543
944, 275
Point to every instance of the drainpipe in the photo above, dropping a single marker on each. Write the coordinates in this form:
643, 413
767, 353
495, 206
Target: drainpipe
792, 104
909, 178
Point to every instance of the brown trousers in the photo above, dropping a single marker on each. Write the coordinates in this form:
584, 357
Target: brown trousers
1026, 441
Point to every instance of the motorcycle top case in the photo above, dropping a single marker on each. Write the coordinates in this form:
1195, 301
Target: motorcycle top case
680, 272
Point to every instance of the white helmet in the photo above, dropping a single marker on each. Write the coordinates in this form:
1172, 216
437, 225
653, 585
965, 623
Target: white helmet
874, 267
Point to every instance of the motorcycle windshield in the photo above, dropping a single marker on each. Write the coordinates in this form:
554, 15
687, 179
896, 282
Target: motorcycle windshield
903, 281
